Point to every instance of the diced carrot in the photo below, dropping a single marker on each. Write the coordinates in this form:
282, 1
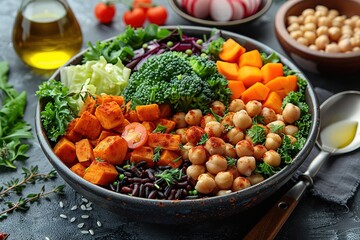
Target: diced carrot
249, 75
143, 153
229, 70
169, 124
65, 150
149, 112
165, 141
273, 101
78, 169
88, 126
276, 84
281, 93
170, 158
89, 105
109, 98
100, 173
165, 110
150, 126
271, 71
84, 152
258, 91
290, 83
285, 84
112, 149
71, 134
236, 87
109, 115
231, 51
251, 58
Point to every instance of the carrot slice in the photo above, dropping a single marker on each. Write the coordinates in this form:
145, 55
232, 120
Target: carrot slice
251, 58
258, 91
231, 51
237, 88
229, 70
271, 71
273, 101
249, 75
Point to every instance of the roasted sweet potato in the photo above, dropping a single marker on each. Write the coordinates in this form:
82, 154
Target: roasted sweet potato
109, 98
119, 129
149, 112
165, 110
88, 126
169, 124
100, 173
143, 153
130, 114
164, 140
103, 135
89, 105
71, 134
112, 149
109, 115
150, 126
170, 158
79, 169
65, 150
84, 152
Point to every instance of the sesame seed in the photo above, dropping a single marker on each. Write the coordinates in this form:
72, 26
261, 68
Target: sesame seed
47, 238
98, 223
88, 204
80, 225
63, 216
84, 200
73, 208
91, 231
61, 204
89, 209
73, 219
85, 232
84, 216
83, 207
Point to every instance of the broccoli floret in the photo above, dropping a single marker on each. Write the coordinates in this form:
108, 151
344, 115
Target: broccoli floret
148, 92
202, 66
219, 86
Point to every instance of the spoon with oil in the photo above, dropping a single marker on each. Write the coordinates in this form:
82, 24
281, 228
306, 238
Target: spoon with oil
339, 134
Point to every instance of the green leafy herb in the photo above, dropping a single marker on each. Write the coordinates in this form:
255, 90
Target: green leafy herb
157, 152
275, 127
203, 139
217, 117
228, 127
231, 161
265, 169
13, 129
257, 134
170, 175
160, 129
271, 58
258, 119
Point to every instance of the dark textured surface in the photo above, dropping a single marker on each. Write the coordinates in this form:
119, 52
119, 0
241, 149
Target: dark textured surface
312, 219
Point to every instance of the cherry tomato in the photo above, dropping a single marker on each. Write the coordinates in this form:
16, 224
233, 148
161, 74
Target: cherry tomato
145, 4
135, 134
157, 15
135, 18
105, 12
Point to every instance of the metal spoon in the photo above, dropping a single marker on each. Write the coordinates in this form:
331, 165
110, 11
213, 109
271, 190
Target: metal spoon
342, 108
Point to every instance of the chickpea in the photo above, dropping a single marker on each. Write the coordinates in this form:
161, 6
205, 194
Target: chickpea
184, 152
332, 48
216, 163
218, 108
215, 145
324, 21
310, 19
214, 129
321, 8
259, 151
253, 108
338, 21
321, 42
236, 105
268, 114
207, 118
322, 30
308, 12
193, 117
296, 34
227, 120
179, 119
294, 19
334, 33
223, 192
205, 184
357, 24
235, 135
233, 170
194, 171
291, 113
255, 178
240, 183
277, 126
242, 120
197, 155
193, 134
309, 27
224, 180
272, 158
313, 47
303, 41
182, 133
279, 117
291, 129
244, 148
310, 36
273, 141
230, 150
355, 41
293, 27
348, 23
246, 165
333, 13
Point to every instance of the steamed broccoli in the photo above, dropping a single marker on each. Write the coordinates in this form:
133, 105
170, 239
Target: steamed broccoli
202, 66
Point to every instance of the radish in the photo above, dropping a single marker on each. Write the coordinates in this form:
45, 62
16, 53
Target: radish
239, 9
257, 5
221, 10
199, 8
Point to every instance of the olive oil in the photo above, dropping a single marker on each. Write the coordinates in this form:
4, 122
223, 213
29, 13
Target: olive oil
339, 135
46, 33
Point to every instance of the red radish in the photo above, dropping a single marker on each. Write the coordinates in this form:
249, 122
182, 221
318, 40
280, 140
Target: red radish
221, 10
257, 5
199, 8
239, 9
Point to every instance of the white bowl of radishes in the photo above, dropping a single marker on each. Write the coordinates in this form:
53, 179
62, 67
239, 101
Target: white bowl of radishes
220, 12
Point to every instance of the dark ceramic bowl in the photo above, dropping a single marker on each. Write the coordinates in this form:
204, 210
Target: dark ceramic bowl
313, 60
185, 211
264, 6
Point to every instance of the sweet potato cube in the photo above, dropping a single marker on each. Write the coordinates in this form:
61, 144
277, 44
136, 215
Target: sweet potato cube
143, 153
101, 173
119, 129
89, 105
164, 140
169, 158
169, 124
130, 114
103, 135
149, 112
88, 126
71, 134
150, 126
78, 169
112, 149
105, 98
165, 110
84, 152
65, 150
109, 115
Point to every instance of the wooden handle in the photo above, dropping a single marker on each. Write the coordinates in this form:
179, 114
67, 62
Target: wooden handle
271, 223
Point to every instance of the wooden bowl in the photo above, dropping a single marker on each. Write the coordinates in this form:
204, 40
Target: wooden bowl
314, 60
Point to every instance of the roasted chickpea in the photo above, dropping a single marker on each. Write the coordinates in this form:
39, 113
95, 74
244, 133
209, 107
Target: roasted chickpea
193, 134
193, 117
277, 126
230, 150
338, 21
322, 30
291, 113
324, 21
240, 183
179, 119
268, 114
253, 108
216, 163
214, 129
259, 151
296, 34
224, 180
197, 155
207, 118
291, 129
273, 141
293, 27
182, 133
246, 165
184, 152
194, 171
345, 45
272, 158
313, 47
205, 184
255, 178
334, 33
244, 148
233, 170
308, 12
223, 192
303, 41
310, 36
310, 19
218, 108
321, 42
309, 27
333, 13
355, 41
332, 48
227, 120
236, 105
293, 19
235, 135
215, 145
242, 120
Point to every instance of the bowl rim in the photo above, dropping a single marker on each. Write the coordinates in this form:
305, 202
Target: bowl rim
286, 173
283, 34
207, 22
